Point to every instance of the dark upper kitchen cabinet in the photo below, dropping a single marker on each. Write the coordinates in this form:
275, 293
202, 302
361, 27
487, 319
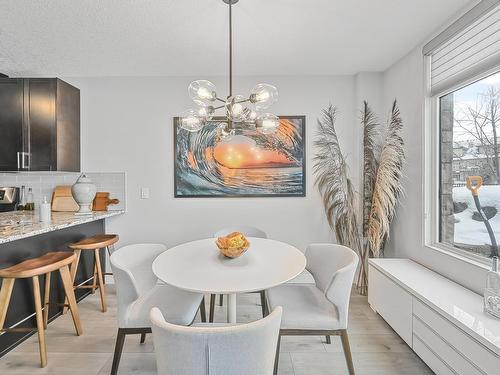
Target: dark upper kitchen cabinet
39, 125
11, 123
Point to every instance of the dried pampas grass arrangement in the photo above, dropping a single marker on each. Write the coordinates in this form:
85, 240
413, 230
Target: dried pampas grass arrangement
382, 173
333, 182
388, 188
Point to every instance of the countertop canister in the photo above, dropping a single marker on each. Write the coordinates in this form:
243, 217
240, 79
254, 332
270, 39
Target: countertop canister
84, 191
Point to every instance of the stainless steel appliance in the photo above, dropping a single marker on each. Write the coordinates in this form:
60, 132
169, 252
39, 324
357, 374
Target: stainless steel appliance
9, 198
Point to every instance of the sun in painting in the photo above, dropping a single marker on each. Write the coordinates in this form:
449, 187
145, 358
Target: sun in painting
243, 152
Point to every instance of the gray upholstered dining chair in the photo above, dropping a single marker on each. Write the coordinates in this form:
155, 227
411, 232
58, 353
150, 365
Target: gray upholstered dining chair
246, 349
138, 291
320, 309
248, 231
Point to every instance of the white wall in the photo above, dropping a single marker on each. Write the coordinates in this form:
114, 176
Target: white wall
127, 126
405, 81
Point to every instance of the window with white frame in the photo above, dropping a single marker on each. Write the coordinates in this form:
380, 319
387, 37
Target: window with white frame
464, 76
469, 121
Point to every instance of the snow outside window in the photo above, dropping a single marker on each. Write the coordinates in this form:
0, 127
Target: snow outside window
469, 121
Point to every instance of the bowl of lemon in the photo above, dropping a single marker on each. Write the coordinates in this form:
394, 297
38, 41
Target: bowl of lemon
233, 245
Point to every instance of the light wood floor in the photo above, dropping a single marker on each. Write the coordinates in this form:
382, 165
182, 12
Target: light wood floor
376, 348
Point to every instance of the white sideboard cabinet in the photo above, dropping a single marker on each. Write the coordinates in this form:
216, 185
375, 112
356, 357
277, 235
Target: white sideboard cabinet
440, 320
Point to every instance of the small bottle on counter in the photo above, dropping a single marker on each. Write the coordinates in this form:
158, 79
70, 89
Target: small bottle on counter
22, 199
45, 212
30, 202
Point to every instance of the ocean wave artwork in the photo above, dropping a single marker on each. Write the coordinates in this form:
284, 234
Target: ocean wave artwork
249, 164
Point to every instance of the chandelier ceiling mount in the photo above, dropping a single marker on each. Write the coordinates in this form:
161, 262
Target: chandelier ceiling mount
247, 111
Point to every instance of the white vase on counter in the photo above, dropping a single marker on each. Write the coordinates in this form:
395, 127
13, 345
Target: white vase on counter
84, 191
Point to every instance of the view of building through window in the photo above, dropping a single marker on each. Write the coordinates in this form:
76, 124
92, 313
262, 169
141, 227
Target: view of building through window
470, 146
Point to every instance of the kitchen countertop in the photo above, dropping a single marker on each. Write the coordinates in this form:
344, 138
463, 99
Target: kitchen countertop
16, 225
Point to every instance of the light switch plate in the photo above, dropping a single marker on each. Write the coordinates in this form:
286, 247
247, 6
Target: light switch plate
144, 193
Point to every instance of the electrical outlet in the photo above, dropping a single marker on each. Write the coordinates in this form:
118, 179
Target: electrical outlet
144, 193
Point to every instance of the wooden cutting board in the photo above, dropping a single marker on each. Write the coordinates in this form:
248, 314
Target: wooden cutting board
102, 201
62, 199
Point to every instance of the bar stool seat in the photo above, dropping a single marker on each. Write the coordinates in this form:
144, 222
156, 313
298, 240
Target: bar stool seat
38, 266
94, 243
33, 268
99, 241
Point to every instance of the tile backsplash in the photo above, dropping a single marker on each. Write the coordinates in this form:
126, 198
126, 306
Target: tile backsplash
43, 183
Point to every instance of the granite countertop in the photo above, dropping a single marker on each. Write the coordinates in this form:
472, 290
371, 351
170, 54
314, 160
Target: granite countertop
16, 225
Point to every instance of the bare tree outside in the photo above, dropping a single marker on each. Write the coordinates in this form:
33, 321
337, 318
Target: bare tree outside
470, 146
481, 123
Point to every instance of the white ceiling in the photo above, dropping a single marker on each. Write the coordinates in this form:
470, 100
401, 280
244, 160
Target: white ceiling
189, 37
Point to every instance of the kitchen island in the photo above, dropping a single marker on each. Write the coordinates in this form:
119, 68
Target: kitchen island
22, 236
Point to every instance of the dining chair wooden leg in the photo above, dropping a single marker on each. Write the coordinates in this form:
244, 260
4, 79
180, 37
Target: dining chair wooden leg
5, 293
102, 290
212, 308
39, 321
73, 269
221, 299
347, 351
203, 312
46, 298
70, 295
277, 356
328, 340
143, 338
263, 302
120, 340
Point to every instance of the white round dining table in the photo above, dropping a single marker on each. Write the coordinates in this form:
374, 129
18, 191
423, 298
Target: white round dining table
198, 266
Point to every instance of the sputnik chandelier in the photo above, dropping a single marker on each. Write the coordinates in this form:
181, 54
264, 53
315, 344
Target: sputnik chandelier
244, 111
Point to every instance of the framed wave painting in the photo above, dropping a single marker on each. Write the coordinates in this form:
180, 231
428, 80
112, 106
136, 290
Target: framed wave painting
249, 164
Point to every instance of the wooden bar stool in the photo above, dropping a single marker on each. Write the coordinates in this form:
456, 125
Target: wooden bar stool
94, 243
33, 268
